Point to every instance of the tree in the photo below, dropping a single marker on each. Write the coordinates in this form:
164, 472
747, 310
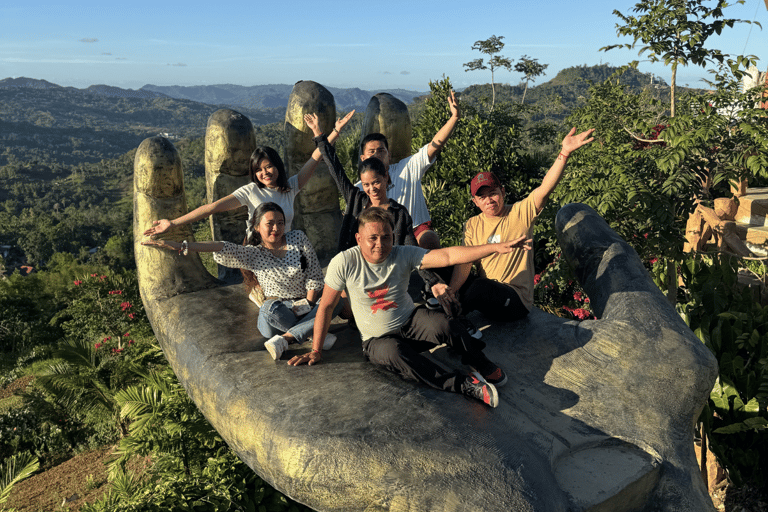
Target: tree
530, 68
675, 31
490, 47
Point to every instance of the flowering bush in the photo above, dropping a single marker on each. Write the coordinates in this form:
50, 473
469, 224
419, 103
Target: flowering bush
103, 307
558, 293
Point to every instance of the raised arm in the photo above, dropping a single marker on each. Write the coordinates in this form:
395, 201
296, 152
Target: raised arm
308, 169
222, 205
348, 191
444, 133
457, 255
571, 143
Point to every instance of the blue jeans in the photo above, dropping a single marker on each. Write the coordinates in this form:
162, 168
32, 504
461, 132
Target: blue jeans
276, 317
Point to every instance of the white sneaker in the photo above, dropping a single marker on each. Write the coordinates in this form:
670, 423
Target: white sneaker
257, 296
276, 345
330, 339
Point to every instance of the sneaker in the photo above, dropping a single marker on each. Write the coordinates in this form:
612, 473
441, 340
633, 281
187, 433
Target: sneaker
476, 387
493, 374
470, 327
276, 345
257, 296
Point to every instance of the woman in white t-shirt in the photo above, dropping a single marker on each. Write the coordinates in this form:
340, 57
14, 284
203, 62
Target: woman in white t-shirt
269, 183
287, 269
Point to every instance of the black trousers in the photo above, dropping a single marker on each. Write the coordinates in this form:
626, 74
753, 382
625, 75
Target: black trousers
400, 351
495, 300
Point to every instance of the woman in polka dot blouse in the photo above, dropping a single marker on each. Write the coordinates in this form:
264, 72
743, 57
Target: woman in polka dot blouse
286, 267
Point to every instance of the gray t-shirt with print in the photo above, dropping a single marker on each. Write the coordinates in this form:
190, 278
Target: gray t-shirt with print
378, 293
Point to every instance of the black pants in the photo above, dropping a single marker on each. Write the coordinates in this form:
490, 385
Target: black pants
495, 300
400, 351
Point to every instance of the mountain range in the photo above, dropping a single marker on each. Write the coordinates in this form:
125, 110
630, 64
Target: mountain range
237, 97
270, 96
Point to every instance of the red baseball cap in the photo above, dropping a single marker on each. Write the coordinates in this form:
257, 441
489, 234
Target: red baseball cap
483, 179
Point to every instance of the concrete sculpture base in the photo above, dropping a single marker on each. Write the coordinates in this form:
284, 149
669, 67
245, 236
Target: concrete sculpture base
597, 415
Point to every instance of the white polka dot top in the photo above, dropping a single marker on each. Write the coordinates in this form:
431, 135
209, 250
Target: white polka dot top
278, 277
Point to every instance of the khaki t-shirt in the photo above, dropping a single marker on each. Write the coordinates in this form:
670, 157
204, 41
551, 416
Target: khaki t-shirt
515, 268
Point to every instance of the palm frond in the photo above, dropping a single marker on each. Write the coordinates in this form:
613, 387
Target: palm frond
15, 469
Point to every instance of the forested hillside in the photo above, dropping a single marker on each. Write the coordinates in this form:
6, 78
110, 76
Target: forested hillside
64, 125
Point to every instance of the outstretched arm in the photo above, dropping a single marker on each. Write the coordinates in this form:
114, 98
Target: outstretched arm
171, 245
457, 255
309, 168
571, 143
222, 205
444, 133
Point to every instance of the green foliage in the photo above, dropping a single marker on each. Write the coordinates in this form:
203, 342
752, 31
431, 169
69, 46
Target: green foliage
13, 470
113, 298
676, 32
224, 483
37, 427
165, 423
105, 326
192, 467
482, 141
734, 327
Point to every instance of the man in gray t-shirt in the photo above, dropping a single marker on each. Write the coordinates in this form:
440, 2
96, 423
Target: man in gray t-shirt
395, 332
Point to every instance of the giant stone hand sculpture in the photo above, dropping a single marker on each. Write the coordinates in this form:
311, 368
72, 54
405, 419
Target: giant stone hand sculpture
597, 415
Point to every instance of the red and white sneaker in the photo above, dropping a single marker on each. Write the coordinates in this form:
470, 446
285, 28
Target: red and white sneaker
477, 387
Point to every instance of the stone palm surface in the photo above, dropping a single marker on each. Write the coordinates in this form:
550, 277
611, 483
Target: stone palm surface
597, 415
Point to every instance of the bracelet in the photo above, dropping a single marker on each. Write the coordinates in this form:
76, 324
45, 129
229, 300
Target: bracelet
184, 248
335, 130
315, 350
564, 155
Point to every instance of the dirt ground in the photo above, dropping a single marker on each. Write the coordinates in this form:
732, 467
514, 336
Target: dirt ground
79, 480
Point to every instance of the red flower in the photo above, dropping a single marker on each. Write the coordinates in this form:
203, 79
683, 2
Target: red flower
130, 342
78, 282
102, 277
646, 236
126, 335
94, 275
578, 296
586, 300
116, 292
125, 305
537, 279
97, 346
131, 316
581, 313
652, 261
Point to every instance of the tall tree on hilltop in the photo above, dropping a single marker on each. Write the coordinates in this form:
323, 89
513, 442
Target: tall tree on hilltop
675, 31
530, 68
490, 47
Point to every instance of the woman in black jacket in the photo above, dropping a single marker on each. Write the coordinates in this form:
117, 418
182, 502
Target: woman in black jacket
375, 181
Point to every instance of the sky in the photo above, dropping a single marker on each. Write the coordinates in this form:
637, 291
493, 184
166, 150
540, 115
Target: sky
387, 45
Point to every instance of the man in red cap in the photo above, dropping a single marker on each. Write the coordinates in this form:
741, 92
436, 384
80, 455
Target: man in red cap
503, 289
